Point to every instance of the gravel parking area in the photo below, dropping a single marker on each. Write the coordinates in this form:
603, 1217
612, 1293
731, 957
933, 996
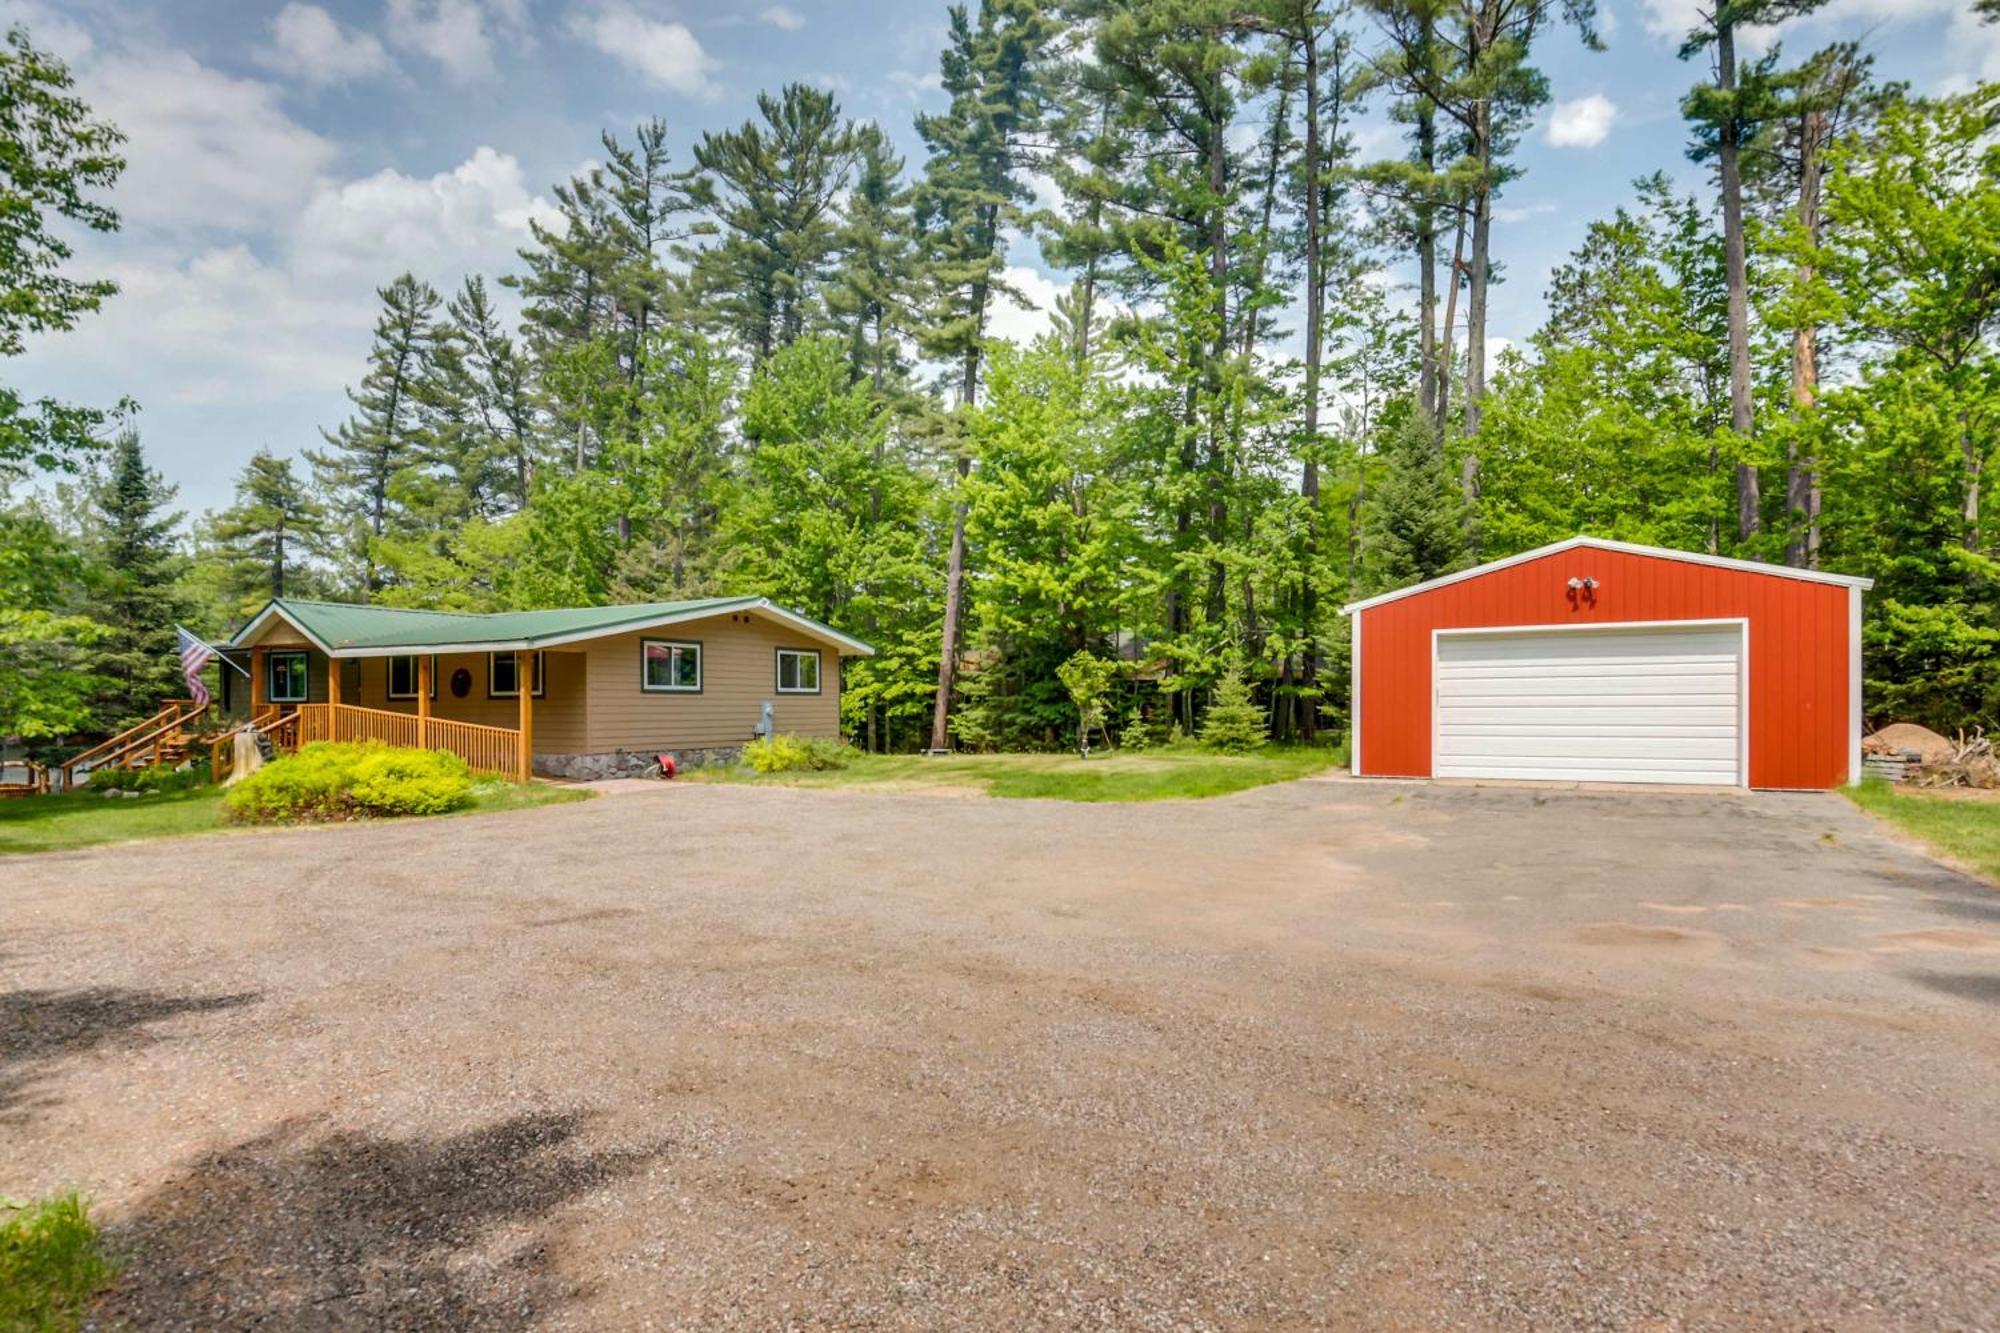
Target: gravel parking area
1325, 1054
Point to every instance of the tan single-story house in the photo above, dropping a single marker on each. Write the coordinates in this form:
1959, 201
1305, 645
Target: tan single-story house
609, 687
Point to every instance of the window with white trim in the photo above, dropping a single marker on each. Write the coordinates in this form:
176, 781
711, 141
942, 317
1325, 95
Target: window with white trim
503, 680
798, 671
287, 678
404, 675
669, 666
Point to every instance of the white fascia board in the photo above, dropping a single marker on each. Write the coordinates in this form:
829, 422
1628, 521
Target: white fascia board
1628, 548
848, 647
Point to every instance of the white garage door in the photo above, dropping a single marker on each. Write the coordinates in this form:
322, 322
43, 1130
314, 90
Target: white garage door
1648, 705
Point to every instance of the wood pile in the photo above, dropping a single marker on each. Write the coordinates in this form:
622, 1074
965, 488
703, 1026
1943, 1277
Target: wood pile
1904, 752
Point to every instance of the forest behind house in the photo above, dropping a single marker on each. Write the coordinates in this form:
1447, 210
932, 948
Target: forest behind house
766, 368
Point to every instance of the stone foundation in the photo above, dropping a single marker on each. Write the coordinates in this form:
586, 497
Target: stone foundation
631, 763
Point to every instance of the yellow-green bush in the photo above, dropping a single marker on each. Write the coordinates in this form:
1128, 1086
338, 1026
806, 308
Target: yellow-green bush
349, 779
787, 753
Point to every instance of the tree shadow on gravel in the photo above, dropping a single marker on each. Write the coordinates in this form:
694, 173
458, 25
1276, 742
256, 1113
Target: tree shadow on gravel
1981, 986
40, 1027
306, 1228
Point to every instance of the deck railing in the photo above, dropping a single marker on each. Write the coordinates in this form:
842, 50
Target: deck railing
136, 744
495, 750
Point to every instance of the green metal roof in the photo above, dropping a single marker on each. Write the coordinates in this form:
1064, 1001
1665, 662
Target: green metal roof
344, 627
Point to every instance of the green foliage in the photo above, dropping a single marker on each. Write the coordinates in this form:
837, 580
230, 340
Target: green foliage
145, 780
133, 577
787, 753
1088, 679
1234, 723
773, 186
52, 1261
331, 780
1184, 774
1415, 520
56, 157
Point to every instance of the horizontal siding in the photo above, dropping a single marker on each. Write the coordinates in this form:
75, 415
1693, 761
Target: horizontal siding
739, 674
560, 725
1646, 706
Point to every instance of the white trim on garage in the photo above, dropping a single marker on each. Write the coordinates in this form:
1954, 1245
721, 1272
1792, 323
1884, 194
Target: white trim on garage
1354, 700
1853, 686
1584, 773
1628, 548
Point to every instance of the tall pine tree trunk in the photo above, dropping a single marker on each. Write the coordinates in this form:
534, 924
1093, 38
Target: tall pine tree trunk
1302, 702
1729, 148
1428, 390
954, 570
1802, 472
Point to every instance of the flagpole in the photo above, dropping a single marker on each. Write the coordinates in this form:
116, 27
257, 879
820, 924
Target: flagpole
220, 656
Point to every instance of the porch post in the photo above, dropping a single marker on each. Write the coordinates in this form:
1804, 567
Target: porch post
524, 677
424, 700
258, 680
333, 681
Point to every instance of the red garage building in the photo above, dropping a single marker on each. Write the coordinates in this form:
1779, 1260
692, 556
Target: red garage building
1601, 661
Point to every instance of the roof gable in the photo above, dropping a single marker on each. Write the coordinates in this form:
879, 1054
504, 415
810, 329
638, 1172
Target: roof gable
1627, 548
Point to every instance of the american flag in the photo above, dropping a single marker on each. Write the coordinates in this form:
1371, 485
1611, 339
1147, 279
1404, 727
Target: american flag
194, 656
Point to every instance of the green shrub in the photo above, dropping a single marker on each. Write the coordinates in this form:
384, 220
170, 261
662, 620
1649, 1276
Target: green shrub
1234, 724
50, 1264
787, 753
148, 779
350, 779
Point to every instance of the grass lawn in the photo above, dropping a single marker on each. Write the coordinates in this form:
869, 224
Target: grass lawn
1967, 830
50, 1264
1152, 775
86, 818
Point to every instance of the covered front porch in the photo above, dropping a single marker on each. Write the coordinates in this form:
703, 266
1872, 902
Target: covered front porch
298, 694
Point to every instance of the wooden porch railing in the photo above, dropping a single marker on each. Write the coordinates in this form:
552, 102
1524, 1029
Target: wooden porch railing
135, 743
282, 728
495, 750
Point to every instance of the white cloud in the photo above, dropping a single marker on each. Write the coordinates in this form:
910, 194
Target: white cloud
1674, 19
224, 326
1582, 123
205, 149
667, 53
309, 44
1523, 213
1019, 323
783, 17
459, 35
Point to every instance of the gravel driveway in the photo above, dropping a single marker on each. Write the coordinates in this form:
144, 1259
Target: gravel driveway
1325, 1054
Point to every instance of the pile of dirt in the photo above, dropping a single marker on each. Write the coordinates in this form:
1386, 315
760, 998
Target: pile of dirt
1907, 740
1930, 760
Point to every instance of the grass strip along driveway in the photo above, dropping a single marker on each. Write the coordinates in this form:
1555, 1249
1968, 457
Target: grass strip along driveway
88, 818
1120, 775
1965, 828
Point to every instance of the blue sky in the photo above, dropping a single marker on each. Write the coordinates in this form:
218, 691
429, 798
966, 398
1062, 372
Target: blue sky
288, 158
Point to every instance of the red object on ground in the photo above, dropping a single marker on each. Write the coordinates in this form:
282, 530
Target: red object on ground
667, 766
1799, 709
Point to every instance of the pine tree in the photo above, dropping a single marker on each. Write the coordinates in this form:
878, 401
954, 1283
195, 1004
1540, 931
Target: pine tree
1233, 724
969, 194
774, 187
501, 407
265, 536
1415, 515
874, 291
368, 454
134, 570
1725, 115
